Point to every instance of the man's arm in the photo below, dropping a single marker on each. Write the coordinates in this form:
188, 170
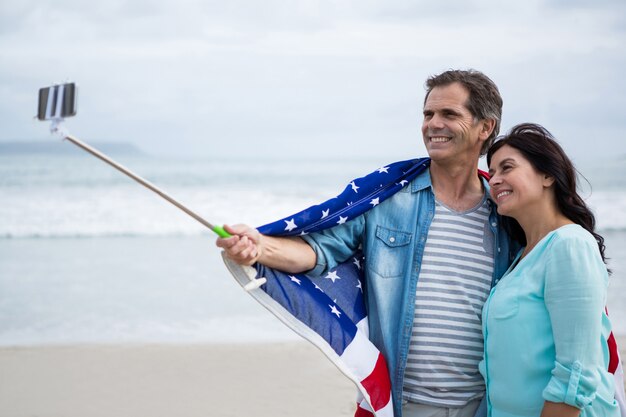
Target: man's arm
247, 246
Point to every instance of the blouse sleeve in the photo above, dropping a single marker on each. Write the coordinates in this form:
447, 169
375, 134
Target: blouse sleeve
575, 294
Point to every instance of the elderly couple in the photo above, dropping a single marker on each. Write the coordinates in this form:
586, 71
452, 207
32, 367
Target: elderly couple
500, 310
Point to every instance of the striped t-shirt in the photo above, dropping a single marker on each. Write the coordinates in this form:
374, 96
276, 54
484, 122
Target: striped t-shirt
454, 282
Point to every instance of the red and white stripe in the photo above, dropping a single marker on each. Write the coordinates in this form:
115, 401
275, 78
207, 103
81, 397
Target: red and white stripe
368, 366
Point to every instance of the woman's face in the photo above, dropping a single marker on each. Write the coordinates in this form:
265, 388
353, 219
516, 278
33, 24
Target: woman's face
516, 186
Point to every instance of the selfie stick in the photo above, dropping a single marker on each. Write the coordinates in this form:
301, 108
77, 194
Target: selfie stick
54, 103
219, 230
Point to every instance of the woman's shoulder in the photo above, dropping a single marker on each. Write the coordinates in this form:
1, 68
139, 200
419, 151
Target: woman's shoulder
574, 248
572, 234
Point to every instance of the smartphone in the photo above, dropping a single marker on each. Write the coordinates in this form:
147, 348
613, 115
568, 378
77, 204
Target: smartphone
57, 101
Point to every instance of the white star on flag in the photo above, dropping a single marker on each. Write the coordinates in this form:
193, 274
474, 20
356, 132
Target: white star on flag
403, 182
332, 275
333, 309
354, 187
291, 224
375, 201
359, 286
325, 213
342, 220
294, 279
318, 288
357, 263
383, 169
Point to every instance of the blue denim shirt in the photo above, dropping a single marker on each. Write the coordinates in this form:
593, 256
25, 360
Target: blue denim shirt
392, 236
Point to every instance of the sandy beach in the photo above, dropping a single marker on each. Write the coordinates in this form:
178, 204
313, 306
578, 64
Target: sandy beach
283, 379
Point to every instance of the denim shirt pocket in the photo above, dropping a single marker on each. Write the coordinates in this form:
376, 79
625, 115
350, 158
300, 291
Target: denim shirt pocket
390, 252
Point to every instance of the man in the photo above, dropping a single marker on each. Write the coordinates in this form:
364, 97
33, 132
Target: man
433, 251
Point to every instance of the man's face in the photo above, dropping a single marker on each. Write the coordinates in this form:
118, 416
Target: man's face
449, 129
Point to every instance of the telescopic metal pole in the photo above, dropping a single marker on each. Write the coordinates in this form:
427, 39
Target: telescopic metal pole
219, 230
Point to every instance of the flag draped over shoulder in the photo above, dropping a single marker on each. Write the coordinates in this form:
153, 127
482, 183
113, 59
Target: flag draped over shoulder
358, 197
330, 311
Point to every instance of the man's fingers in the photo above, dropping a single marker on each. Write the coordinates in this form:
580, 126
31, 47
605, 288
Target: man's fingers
249, 252
227, 242
237, 229
242, 246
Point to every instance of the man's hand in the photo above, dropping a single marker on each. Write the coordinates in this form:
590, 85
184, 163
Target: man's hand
247, 246
244, 246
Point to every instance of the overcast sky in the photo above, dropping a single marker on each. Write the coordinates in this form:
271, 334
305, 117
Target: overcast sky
246, 77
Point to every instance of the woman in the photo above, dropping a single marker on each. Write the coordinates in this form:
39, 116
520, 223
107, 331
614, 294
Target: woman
544, 324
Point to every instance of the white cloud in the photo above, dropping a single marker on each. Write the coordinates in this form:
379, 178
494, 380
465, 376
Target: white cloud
245, 76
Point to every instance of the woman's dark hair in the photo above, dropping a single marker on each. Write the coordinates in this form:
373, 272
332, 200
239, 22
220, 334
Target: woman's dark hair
543, 152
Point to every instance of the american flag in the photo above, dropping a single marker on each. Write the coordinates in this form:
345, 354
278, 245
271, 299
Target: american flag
330, 311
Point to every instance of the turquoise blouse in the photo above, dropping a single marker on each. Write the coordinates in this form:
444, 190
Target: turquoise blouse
545, 330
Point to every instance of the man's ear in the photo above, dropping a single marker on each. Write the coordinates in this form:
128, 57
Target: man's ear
486, 128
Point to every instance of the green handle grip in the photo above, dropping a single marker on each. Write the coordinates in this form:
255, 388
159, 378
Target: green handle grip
219, 230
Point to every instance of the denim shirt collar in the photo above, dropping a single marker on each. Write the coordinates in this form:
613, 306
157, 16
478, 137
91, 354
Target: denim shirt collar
424, 181
421, 182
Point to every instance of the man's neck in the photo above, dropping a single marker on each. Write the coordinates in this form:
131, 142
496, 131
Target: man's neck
457, 185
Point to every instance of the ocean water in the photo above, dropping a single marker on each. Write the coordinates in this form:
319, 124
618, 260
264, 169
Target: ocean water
89, 256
